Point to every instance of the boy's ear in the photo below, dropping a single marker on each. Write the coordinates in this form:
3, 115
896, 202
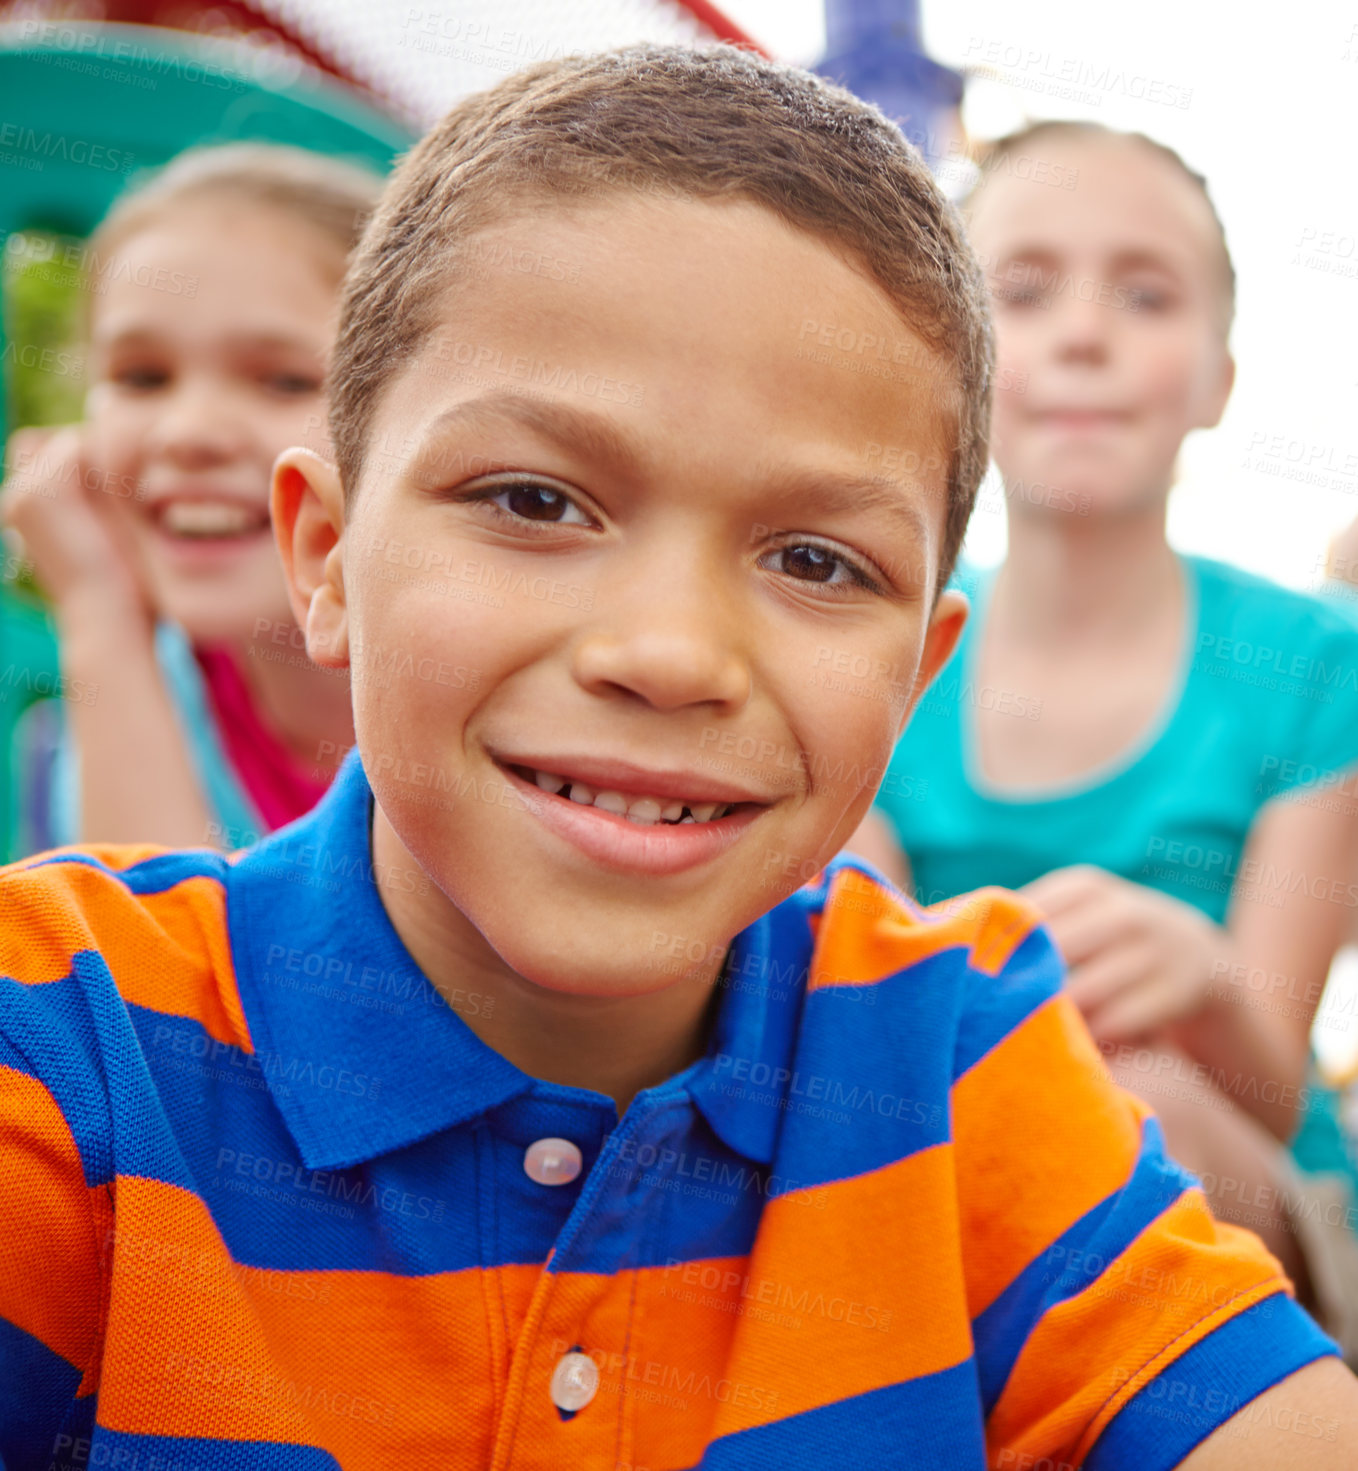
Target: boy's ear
307, 505
940, 639
1218, 393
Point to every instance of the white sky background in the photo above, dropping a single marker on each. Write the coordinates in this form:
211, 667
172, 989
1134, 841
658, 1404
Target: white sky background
1271, 121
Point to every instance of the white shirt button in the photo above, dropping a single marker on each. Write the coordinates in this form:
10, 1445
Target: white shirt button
552, 1161
575, 1381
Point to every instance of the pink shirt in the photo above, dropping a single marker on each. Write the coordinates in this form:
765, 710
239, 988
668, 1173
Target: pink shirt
281, 787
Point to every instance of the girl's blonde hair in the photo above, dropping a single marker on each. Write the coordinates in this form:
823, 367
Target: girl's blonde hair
332, 195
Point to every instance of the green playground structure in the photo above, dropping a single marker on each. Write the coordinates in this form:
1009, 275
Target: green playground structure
85, 108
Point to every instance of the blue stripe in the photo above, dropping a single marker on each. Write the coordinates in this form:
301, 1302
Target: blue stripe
928, 1424
1075, 1260
37, 1388
153, 875
58, 1033
1205, 1387
995, 1005
112, 1448
870, 1075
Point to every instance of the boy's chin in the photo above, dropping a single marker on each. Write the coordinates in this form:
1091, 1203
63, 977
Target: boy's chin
609, 959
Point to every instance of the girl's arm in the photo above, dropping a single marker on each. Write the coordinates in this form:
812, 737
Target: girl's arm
1291, 906
1239, 998
137, 781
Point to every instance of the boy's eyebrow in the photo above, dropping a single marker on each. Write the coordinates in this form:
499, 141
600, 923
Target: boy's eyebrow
560, 422
833, 492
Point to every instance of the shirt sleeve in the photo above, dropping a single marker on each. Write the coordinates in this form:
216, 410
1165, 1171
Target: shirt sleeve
52, 1216
1312, 698
1116, 1323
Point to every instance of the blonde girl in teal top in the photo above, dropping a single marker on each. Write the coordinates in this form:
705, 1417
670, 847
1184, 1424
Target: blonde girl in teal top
1151, 746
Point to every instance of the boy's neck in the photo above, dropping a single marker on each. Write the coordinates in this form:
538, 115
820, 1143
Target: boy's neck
617, 1046
1082, 576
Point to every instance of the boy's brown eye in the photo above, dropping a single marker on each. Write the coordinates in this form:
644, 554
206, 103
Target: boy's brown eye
811, 564
535, 502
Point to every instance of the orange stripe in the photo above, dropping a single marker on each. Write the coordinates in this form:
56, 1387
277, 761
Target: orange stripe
597, 1313
815, 1312
868, 934
1043, 1135
49, 1255
1183, 1276
168, 952
378, 1370
686, 1318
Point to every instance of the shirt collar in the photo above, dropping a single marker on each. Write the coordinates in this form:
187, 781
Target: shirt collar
363, 1055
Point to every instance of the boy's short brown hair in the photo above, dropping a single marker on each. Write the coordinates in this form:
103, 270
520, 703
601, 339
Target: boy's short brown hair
716, 123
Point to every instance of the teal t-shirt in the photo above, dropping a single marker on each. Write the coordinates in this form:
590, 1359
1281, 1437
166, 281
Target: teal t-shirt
1265, 701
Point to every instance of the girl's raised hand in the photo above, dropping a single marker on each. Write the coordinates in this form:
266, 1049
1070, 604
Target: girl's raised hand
80, 554
1139, 961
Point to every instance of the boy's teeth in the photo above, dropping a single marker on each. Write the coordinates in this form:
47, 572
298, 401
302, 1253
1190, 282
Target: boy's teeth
645, 811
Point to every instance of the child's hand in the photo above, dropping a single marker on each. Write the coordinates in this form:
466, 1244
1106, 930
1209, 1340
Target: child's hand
77, 549
1342, 561
1138, 960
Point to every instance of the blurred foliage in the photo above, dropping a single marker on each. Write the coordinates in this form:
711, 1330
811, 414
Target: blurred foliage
43, 358
43, 329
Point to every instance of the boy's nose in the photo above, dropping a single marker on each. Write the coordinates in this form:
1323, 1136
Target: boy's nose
671, 654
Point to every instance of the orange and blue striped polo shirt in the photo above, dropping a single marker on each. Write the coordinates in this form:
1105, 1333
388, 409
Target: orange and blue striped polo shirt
267, 1201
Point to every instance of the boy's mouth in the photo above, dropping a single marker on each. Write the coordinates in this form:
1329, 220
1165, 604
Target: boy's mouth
645, 809
632, 820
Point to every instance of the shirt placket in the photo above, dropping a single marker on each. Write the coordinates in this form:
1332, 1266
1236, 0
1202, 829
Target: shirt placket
567, 1400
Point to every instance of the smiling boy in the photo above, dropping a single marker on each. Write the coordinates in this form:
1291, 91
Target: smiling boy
513, 1110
